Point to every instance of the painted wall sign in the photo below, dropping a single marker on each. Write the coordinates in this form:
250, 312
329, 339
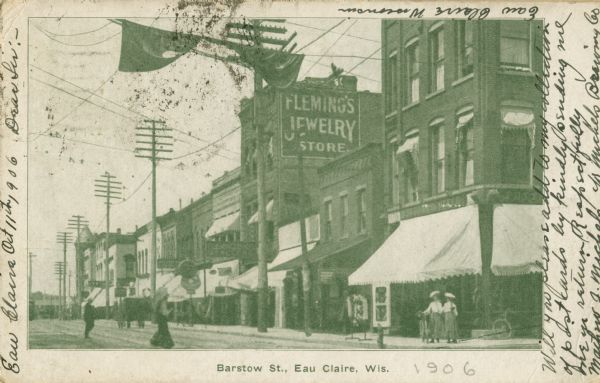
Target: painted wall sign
319, 123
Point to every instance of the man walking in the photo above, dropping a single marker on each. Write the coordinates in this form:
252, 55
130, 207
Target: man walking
88, 317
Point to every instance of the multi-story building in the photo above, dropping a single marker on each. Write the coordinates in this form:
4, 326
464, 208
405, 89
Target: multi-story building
202, 218
318, 118
225, 192
461, 111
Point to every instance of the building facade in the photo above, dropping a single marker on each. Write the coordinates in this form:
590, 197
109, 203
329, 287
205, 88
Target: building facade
461, 111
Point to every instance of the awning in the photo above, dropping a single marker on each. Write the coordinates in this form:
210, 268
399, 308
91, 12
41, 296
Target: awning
519, 118
427, 247
464, 119
229, 222
350, 252
100, 299
517, 240
249, 279
269, 208
409, 145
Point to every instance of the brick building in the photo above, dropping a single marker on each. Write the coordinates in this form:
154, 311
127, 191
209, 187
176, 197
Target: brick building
461, 111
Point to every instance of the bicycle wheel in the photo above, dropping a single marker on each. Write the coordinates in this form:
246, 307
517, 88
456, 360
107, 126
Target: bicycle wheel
502, 328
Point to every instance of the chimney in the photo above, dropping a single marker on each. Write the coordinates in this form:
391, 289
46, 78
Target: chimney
179, 203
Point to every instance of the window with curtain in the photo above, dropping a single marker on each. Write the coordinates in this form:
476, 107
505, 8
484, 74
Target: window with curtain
438, 159
412, 65
407, 157
518, 132
436, 59
464, 46
391, 85
328, 219
515, 43
466, 154
362, 210
344, 209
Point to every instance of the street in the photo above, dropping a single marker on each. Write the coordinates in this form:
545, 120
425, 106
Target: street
55, 334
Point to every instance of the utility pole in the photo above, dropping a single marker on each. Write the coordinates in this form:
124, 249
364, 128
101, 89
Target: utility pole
154, 151
58, 271
64, 238
254, 33
77, 223
306, 281
108, 188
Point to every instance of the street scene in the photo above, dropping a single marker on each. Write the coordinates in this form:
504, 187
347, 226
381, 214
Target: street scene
284, 184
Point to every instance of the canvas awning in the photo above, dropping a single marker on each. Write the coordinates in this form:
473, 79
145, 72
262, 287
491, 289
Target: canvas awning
517, 240
229, 222
100, 299
353, 251
427, 247
249, 279
409, 145
464, 119
269, 208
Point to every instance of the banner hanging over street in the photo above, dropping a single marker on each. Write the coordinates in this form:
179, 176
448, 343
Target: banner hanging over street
319, 123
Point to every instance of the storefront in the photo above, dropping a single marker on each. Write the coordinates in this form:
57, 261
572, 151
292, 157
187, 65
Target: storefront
442, 251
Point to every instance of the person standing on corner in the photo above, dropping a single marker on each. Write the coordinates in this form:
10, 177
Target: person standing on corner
88, 317
450, 314
436, 319
162, 336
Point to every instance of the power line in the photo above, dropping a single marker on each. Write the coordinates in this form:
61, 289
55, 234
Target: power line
87, 143
365, 59
331, 46
321, 35
47, 34
208, 145
357, 75
136, 189
79, 33
332, 32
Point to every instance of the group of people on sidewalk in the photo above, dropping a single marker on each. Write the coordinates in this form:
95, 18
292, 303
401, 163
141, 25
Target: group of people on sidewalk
161, 338
438, 321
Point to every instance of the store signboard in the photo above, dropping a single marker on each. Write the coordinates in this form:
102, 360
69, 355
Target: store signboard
319, 123
381, 305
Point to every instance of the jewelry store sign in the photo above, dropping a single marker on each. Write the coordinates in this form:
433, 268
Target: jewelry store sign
319, 123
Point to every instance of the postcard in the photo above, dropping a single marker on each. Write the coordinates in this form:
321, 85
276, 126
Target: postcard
238, 191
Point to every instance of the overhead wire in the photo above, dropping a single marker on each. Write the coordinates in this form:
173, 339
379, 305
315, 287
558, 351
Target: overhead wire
320, 36
79, 33
332, 32
75, 45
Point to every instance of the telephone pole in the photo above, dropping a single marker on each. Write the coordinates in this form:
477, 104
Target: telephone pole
153, 142
254, 33
306, 281
108, 188
64, 237
77, 223
59, 271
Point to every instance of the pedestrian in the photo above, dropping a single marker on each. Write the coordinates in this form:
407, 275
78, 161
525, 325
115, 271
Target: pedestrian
88, 317
436, 319
423, 327
450, 314
162, 336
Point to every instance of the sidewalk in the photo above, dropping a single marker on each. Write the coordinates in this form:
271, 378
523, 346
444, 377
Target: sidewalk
393, 342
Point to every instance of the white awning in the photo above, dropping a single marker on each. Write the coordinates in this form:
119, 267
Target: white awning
269, 208
517, 239
423, 248
229, 222
409, 145
464, 119
100, 299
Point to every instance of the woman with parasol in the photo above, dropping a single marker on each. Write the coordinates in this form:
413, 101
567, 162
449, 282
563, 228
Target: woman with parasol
436, 319
162, 336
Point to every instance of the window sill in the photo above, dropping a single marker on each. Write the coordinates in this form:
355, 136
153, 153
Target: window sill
516, 71
410, 106
463, 79
434, 94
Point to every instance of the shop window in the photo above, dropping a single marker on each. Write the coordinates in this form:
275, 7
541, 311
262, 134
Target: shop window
344, 209
466, 148
412, 65
515, 46
438, 159
362, 210
464, 52
436, 60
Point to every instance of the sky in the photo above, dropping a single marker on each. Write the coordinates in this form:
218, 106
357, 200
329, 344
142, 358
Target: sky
83, 113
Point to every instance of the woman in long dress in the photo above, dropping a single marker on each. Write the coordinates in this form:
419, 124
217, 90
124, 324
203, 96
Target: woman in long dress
436, 319
162, 336
450, 314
